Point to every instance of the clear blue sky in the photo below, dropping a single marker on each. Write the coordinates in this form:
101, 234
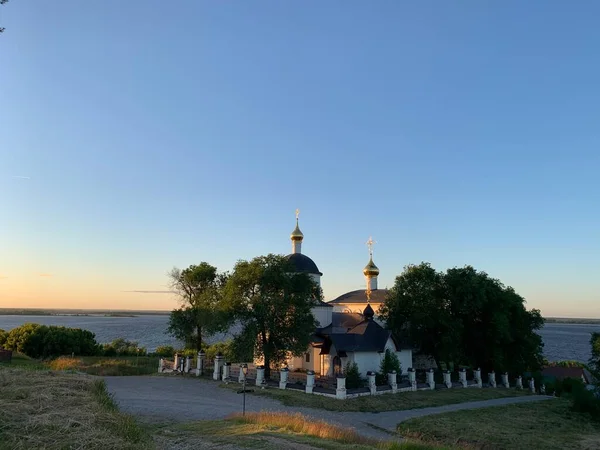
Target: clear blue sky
160, 134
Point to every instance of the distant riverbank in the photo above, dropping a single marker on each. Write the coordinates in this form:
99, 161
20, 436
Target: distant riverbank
78, 312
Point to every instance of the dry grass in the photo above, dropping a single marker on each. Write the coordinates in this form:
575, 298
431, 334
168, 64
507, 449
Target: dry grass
297, 423
540, 425
65, 363
267, 430
50, 410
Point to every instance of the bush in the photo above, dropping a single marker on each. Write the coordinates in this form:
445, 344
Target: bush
121, 347
389, 363
37, 341
353, 379
3, 337
165, 351
585, 401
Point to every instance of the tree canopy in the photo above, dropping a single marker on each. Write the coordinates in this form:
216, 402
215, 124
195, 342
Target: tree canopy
273, 305
464, 317
202, 312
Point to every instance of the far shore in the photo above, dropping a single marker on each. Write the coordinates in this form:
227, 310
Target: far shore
78, 312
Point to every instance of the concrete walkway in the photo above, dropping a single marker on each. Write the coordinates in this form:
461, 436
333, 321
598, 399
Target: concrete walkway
166, 399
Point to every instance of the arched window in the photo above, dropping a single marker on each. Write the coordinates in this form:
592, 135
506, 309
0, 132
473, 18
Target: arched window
307, 357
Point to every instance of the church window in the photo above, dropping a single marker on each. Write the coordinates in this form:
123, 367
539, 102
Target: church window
307, 357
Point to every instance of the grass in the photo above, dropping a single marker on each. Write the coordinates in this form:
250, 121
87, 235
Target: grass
107, 366
385, 402
278, 431
23, 361
541, 425
53, 410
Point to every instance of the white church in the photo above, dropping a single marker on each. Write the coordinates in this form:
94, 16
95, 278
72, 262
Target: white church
348, 327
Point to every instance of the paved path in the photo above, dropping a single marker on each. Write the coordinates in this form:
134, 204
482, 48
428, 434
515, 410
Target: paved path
181, 399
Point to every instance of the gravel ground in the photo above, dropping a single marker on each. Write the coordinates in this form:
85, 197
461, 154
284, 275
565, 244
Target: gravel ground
167, 399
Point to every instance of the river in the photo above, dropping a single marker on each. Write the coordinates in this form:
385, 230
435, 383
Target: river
561, 340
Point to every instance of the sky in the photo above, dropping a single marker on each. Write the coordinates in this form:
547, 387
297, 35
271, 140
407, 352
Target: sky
143, 135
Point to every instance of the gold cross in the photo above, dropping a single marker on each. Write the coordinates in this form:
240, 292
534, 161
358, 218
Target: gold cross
370, 244
297, 213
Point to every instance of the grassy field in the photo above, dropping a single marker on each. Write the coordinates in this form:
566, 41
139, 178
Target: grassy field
50, 410
107, 366
275, 431
540, 425
386, 402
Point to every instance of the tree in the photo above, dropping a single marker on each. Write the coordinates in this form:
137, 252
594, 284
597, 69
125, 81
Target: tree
273, 305
199, 288
464, 317
417, 311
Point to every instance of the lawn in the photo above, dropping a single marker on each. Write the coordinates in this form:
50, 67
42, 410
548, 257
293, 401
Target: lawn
385, 402
275, 431
107, 366
540, 425
50, 410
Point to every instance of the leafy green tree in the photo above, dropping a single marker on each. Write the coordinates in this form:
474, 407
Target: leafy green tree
464, 317
202, 314
273, 305
36, 341
417, 311
2, 2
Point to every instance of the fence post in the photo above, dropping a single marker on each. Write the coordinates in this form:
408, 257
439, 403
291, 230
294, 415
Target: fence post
519, 384
372, 385
447, 379
187, 364
340, 392
176, 363
462, 377
505, 381
430, 379
226, 367
310, 381
161, 363
477, 376
260, 375
200, 363
532, 385
283, 377
412, 379
492, 379
393, 381
217, 369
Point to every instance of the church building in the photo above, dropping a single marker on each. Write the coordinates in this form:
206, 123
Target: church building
348, 328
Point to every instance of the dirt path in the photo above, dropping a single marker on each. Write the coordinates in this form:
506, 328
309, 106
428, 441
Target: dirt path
166, 399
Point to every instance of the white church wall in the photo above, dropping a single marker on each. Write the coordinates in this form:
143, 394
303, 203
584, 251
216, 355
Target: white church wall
367, 361
405, 357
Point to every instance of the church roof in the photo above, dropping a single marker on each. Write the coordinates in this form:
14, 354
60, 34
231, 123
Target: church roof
360, 296
303, 263
367, 336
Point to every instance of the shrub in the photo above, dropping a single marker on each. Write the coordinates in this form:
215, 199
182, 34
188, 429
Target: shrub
164, 350
389, 363
353, 379
3, 337
122, 347
36, 341
585, 401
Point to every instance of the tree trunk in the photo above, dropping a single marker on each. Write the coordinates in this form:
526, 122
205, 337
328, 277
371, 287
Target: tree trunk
266, 354
267, 366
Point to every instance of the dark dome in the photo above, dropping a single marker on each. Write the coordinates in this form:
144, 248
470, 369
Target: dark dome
368, 312
303, 263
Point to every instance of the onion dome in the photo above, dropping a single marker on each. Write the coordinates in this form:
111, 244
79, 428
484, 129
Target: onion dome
368, 312
371, 270
296, 234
